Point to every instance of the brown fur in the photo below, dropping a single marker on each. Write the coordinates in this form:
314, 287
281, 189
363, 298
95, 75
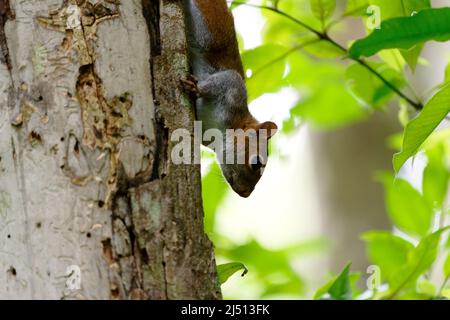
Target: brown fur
224, 51
249, 123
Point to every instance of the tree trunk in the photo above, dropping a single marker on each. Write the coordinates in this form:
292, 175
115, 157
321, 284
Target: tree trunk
352, 202
90, 204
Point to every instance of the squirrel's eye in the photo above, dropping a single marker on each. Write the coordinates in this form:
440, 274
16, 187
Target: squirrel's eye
256, 163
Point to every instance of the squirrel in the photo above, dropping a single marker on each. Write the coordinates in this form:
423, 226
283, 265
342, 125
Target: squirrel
220, 91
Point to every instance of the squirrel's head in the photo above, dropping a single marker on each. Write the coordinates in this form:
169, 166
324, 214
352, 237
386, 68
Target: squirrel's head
245, 155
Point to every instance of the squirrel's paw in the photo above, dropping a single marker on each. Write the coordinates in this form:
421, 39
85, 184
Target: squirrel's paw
190, 85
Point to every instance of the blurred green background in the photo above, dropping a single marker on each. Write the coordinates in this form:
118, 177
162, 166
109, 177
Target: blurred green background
329, 195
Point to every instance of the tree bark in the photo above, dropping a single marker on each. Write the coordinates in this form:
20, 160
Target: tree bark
91, 206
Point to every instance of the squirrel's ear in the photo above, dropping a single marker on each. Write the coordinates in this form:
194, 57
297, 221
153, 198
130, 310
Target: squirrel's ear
271, 128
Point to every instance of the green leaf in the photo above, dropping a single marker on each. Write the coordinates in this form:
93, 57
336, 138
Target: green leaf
323, 9
387, 251
225, 271
405, 32
280, 30
325, 114
412, 6
267, 66
341, 288
404, 118
404, 8
369, 88
446, 293
447, 267
272, 268
419, 261
426, 288
435, 177
412, 56
238, 3
400, 8
356, 7
411, 294
394, 142
420, 128
214, 190
324, 101
407, 208
447, 74
322, 292
324, 50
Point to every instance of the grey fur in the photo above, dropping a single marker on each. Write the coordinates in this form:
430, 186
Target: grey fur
222, 101
223, 93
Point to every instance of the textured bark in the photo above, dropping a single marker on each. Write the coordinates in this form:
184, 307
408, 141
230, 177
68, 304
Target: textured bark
85, 178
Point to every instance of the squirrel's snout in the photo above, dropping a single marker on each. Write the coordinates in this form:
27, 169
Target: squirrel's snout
245, 193
240, 183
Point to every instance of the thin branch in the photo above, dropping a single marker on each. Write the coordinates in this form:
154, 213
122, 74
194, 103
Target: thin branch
354, 11
345, 15
393, 294
283, 14
325, 37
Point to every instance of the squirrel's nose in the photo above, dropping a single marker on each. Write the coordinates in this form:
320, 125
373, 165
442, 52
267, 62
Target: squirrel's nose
245, 193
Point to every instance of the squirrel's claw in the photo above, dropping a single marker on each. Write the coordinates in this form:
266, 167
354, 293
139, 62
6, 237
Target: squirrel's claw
190, 85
